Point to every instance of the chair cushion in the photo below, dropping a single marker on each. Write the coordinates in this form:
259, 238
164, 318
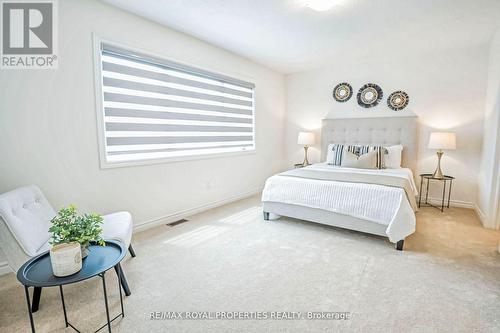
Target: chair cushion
118, 226
27, 214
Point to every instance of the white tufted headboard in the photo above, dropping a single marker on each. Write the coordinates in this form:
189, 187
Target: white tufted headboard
384, 131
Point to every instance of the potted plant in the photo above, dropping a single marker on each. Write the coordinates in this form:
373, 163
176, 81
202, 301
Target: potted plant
66, 259
68, 227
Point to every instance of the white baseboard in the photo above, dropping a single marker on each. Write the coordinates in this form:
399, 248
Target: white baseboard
465, 204
485, 221
5, 268
481, 215
191, 211
453, 203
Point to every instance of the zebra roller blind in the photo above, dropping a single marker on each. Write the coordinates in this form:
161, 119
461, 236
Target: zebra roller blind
155, 109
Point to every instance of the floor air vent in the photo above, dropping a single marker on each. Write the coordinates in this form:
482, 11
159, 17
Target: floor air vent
172, 224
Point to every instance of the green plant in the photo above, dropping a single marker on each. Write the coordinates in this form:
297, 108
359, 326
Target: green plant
68, 227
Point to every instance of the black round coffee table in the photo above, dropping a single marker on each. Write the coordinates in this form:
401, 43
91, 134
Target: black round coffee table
37, 272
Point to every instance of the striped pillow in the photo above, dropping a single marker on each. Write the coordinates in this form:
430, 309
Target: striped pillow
336, 153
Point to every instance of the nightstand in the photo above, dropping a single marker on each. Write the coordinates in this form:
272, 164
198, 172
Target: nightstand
428, 177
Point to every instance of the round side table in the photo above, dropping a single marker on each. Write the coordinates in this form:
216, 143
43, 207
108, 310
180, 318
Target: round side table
428, 177
37, 273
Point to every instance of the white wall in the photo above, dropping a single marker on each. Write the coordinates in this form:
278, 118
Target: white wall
446, 91
48, 124
489, 182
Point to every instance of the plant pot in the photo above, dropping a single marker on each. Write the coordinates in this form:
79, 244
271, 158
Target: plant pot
66, 259
85, 251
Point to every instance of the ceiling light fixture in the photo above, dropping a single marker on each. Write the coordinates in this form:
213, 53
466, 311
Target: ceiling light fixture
320, 5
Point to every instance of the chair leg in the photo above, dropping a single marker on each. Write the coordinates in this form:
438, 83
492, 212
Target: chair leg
37, 292
123, 280
131, 250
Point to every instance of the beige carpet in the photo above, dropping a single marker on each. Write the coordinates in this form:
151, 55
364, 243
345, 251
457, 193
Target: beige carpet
230, 259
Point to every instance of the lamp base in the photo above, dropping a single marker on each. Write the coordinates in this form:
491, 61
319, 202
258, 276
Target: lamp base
438, 174
306, 161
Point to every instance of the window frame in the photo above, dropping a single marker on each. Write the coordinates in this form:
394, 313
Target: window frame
99, 106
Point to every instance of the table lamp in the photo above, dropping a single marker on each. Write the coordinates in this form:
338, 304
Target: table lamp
440, 141
306, 139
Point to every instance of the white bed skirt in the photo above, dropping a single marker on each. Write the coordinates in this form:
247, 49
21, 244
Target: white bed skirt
323, 217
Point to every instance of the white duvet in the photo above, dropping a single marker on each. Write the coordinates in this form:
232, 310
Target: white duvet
381, 204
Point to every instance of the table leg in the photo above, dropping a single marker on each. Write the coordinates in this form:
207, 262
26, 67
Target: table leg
449, 193
120, 289
29, 308
427, 192
63, 305
444, 193
420, 194
106, 300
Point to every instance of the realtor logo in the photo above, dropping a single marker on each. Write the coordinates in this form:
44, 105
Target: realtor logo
28, 34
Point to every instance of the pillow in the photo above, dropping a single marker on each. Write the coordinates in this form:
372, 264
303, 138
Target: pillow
392, 158
336, 153
329, 153
379, 150
363, 161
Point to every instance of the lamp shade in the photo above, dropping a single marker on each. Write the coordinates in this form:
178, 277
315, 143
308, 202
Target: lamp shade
305, 138
442, 140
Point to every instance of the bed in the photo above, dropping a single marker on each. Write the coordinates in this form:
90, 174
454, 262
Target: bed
375, 201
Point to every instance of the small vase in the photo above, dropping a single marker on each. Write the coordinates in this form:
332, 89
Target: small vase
66, 259
85, 251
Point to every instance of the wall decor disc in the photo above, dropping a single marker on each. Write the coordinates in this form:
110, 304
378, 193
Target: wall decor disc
369, 95
342, 92
398, 100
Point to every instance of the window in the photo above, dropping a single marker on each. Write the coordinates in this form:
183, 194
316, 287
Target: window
157, 109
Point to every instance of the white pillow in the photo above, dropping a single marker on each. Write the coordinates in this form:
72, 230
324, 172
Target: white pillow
392, 158
330, 153
365, 161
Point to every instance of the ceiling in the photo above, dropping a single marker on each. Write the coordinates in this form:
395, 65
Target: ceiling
288, 37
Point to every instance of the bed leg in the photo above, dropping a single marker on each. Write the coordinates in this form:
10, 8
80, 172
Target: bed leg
266, 216
400, 244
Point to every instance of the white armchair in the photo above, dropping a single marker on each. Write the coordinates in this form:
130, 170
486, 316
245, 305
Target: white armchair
25, 216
